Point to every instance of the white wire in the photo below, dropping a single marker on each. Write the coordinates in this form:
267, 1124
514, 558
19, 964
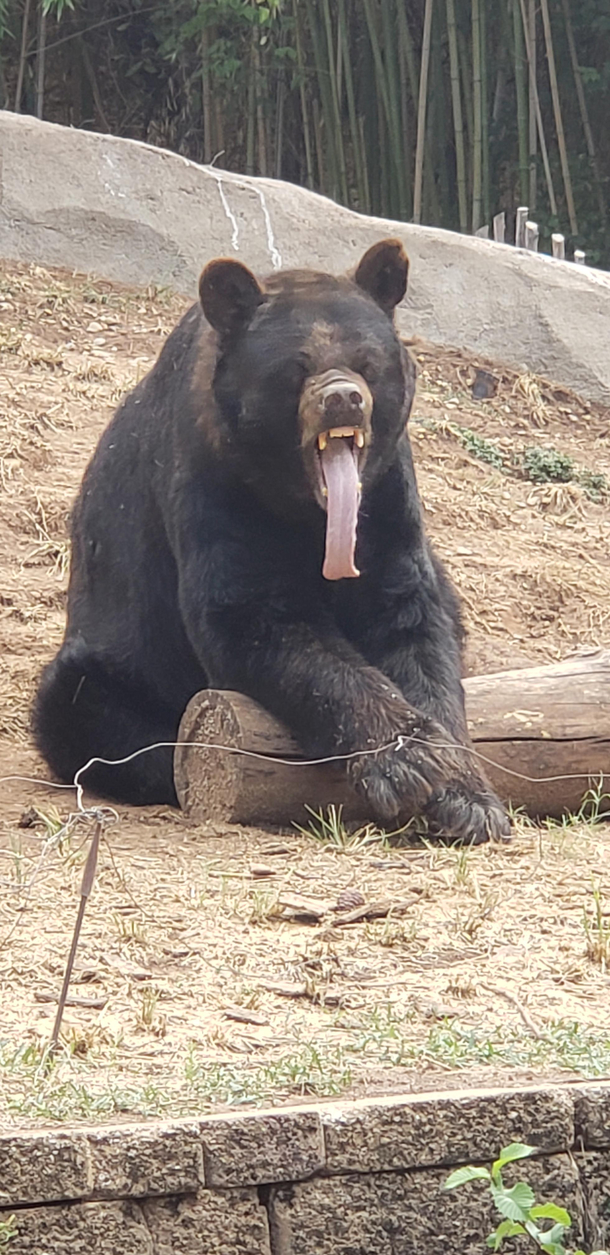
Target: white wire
397, 744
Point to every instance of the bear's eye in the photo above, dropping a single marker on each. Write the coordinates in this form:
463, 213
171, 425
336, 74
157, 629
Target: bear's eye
292, 375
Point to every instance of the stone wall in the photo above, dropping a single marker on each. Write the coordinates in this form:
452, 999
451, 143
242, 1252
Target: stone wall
353, 1178
130, 212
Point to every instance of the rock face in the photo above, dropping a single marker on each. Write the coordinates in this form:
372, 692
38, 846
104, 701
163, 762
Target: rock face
140, 214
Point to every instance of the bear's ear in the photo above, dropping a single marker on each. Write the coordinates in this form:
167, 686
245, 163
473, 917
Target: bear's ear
229, 294
383, 272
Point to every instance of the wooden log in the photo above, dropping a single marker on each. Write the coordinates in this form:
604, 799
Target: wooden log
499, 225
539, 722
579, 257
558, 244
531, 236
520, 221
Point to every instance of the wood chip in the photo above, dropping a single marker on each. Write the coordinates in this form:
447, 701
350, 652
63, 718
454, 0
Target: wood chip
372, 910
284, 989
295, 906
73, 1000
244, 1016
349, 899
261, 871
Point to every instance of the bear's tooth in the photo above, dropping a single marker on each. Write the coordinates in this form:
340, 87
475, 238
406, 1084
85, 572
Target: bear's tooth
322, 440
359, 436
336, 432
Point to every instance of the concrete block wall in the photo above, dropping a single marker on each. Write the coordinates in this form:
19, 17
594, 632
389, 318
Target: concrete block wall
352, 1178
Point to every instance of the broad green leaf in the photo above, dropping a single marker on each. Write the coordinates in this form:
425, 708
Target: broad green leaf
462, 1175
514, 1203
509, 1154
551, 1247
508, 1229
550, 1211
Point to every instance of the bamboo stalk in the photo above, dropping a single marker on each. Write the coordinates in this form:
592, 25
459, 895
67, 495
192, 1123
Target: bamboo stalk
458, 123
477, 136
365, 164
279, 123
343, 37
421, 112
327, 154
250, 124
485, 111
533, 147
317, 130
206, 95
303, 95
541, 136
22, 55
584, 113
438, 136
406, 43
405, 125
521, 100
336, 109
561, 140
392, 168
40, 60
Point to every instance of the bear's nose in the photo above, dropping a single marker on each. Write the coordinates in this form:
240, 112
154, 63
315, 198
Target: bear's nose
344, 398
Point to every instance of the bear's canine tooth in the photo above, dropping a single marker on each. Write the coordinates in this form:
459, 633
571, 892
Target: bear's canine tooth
335, 433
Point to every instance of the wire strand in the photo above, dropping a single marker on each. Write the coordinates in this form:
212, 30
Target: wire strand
397, 744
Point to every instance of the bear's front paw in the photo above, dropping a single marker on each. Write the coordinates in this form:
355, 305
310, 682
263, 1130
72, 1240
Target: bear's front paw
398, 782
467, 815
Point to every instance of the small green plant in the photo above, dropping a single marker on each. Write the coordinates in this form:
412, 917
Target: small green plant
8, 1230
518, 1206
594, 808
597, 931
480, 448
329, 828
543, 466
595, 484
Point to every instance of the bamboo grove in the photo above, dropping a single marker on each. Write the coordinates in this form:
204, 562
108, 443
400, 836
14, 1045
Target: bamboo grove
436, 111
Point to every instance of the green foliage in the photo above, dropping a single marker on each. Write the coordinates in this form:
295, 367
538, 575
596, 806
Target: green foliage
8, 1230
547, 466
595, 484
57, 7
481, 448
517, 1204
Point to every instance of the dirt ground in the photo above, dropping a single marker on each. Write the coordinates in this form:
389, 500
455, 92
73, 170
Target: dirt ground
212, 968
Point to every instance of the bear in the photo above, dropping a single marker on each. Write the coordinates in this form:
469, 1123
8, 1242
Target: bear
250, 520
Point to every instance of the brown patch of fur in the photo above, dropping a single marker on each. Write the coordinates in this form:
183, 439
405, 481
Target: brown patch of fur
201, 386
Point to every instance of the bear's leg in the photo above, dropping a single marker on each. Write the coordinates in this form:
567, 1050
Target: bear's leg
427, 671
82, 712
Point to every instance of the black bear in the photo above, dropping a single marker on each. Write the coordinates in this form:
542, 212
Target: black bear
250, 520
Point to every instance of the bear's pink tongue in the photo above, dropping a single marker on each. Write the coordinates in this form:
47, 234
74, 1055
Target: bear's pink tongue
341, 478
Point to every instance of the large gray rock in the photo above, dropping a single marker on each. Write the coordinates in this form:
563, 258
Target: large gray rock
140, 214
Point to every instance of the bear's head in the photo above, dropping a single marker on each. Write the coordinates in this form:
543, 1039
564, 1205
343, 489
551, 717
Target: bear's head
312, 385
